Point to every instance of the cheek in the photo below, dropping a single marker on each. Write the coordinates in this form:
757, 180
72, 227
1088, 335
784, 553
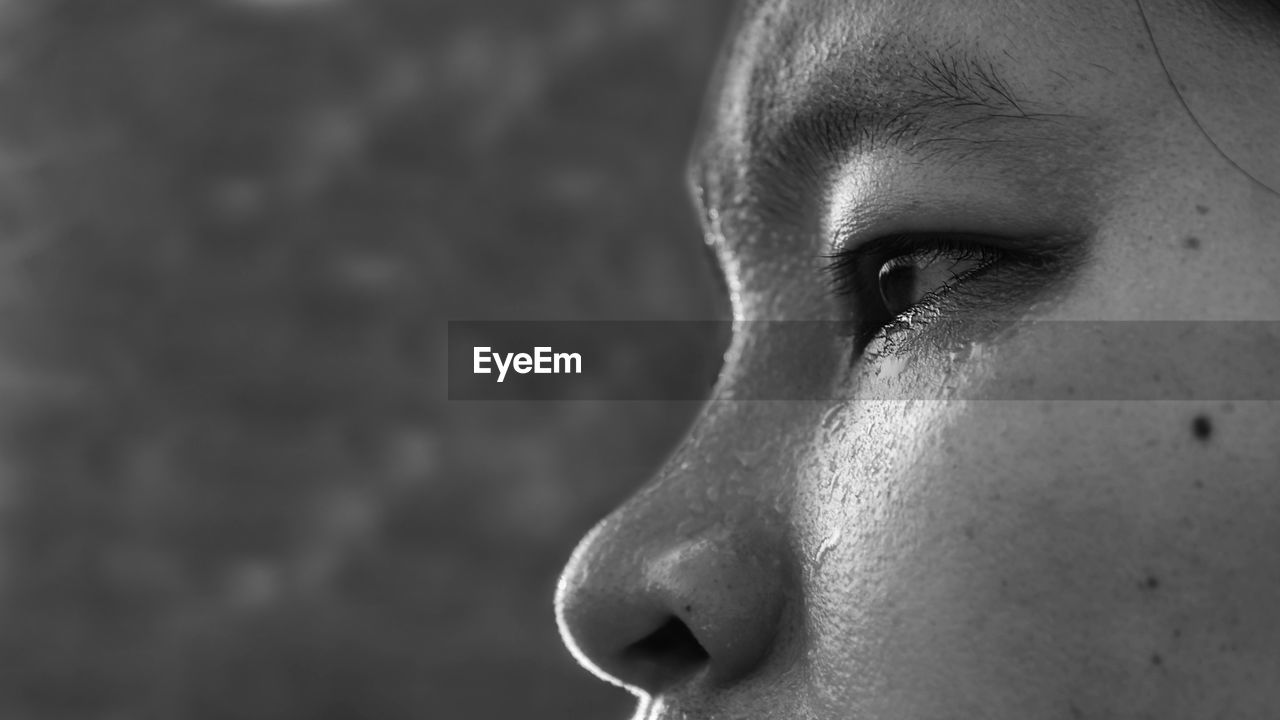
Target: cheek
1042, 558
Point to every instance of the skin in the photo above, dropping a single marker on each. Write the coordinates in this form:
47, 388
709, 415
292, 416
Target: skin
1090, 525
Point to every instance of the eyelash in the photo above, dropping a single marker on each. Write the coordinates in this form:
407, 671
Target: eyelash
855, 279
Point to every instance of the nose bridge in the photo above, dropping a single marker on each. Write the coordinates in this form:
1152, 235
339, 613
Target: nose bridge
690, 574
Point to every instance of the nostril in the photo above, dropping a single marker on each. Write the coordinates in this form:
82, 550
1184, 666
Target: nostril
626, 609
666, 655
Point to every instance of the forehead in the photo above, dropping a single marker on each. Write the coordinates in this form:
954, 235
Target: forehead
806, 83
784, 50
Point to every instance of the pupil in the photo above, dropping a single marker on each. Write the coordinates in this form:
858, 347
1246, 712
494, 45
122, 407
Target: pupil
899, 288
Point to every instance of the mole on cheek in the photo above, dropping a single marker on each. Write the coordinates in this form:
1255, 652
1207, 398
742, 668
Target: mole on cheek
1202, 428
1202, 209
1192, 242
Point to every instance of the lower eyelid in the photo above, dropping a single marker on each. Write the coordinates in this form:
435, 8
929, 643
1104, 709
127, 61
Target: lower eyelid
917, 319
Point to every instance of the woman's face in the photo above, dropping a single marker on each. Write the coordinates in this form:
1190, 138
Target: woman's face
1020, 492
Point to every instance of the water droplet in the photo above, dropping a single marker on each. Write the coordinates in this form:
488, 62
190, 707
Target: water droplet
892, 366
833, 419
826, 546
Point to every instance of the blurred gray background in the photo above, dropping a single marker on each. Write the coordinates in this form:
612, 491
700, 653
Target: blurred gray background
232, 233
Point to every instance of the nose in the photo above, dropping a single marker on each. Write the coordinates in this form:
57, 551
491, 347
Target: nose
648, 607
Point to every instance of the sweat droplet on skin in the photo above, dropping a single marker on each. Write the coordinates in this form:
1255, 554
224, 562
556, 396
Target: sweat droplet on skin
891, 367
833, 419
826, 546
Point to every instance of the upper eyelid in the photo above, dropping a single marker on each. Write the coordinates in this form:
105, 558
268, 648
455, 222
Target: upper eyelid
1065, 251
844, 264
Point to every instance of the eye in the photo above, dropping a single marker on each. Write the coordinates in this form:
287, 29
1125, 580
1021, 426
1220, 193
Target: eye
902, 281
906, 281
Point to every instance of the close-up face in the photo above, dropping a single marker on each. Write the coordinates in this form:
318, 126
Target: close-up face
996, 435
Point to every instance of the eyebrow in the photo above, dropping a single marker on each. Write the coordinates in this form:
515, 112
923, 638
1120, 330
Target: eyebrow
942, 106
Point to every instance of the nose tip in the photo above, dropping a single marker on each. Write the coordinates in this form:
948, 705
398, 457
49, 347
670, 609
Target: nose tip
650, 618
